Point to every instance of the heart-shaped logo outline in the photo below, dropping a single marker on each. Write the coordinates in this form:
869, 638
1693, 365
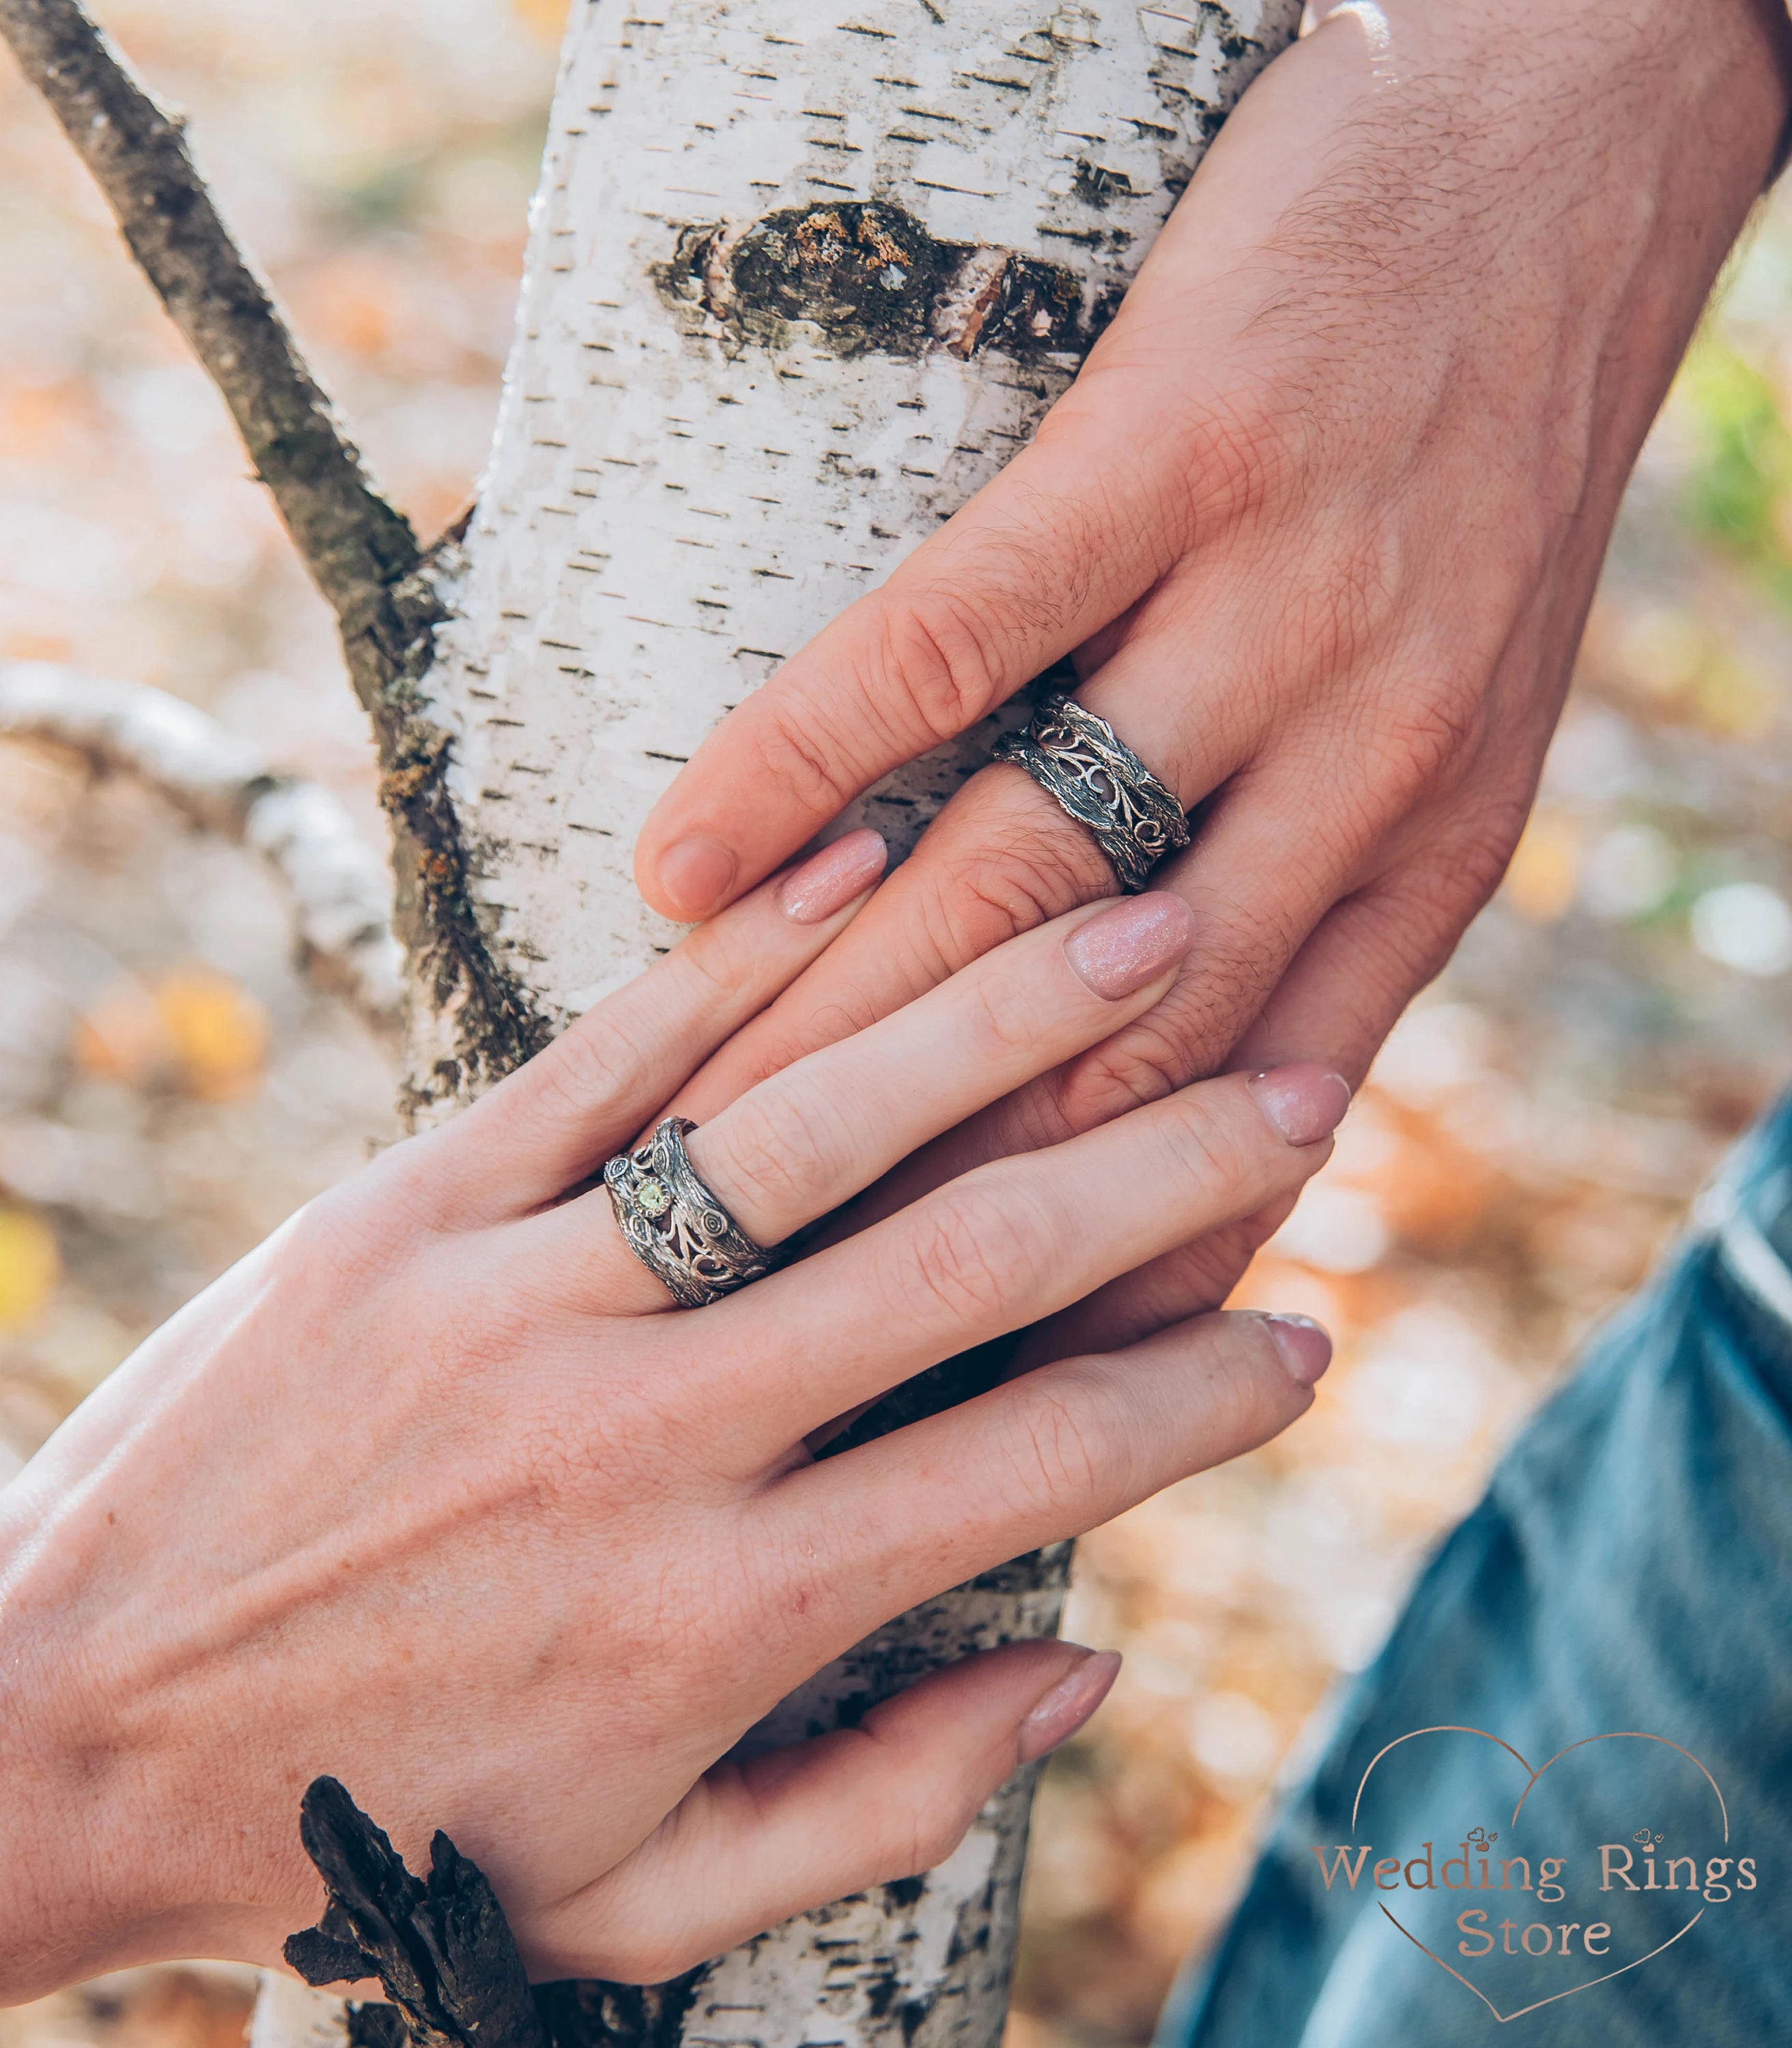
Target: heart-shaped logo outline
1612, 1734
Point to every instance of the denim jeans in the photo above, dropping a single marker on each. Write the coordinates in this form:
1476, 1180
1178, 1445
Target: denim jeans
1628, 1574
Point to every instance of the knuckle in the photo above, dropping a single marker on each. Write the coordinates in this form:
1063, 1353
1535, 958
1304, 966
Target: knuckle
1022, 869
1245, 1387
997, 1022
1056, 1466
403, 1189
935, 1827
1240, 455
336, 1247
942, 659
1431, 736
597, 1060
1403, 929
1346, 602
815, 758
1480, 850
784, 1149
1189, 1033
1241, 961
1217, 1152
972, 1254
1038, 863
1197, 1277
1139, 1065
716, 957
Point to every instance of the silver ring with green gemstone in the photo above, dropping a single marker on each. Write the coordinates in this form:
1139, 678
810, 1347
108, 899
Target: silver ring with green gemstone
675, 1226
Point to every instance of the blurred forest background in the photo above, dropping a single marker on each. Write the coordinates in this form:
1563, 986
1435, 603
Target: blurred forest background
172, 1087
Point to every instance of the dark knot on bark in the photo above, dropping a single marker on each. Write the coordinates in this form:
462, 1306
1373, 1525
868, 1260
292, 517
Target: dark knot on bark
441, 1946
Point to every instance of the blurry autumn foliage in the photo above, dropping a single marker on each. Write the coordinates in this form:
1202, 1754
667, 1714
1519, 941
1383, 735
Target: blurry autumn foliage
171, 1088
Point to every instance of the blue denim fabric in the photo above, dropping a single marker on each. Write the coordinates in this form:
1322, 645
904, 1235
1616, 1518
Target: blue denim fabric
1629, 1570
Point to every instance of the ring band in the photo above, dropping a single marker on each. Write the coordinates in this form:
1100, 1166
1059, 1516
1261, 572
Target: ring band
675, 1226
1078, 758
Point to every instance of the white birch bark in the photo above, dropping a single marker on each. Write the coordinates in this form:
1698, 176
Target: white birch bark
736, 398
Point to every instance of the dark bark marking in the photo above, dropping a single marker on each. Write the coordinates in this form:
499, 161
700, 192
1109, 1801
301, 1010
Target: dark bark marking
1095, 186
581, 2014
867, 275
498, 1024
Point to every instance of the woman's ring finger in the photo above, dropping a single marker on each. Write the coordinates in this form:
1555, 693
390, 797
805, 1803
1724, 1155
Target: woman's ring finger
675, 1225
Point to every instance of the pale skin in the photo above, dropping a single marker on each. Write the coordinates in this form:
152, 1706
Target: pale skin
435, 1493
1318, 527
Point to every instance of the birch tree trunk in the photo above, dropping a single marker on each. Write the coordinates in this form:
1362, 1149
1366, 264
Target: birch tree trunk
802, 274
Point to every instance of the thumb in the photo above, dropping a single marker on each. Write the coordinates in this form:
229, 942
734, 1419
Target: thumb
754, 1843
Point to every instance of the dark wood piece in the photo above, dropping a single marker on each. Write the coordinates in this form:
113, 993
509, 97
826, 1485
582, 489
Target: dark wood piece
442, 1948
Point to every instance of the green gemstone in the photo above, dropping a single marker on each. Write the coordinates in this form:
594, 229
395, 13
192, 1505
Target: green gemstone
653, 1197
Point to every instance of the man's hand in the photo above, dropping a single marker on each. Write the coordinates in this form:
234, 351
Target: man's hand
1319, 525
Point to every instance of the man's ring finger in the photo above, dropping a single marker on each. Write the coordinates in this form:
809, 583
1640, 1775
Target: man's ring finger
1076, 758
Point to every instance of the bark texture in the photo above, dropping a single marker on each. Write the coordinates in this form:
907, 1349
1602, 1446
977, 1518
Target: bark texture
801, 277
440, 1945
802, 274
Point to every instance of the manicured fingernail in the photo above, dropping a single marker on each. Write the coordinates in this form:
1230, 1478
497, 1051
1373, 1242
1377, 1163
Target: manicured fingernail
828, 881
1132, 944
1306, 1348
697, 875
1303, 1103
1063, 1710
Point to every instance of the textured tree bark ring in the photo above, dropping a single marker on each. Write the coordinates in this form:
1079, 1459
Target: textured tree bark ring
677, 1226
1082, 763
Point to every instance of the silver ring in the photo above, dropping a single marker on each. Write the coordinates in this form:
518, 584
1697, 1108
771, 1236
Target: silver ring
675, 1226
1080, 759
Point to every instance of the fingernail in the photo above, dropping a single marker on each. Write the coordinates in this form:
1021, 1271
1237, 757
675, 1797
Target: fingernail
1059, 1713
1305, 1346
1125, 948
828, 881
1303, 1103
696, 875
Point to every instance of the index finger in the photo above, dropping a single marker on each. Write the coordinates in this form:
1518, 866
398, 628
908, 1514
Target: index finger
1078, 526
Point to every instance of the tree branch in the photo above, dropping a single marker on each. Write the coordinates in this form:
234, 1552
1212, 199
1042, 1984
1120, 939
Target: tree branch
388, 595
341, 897
355, 544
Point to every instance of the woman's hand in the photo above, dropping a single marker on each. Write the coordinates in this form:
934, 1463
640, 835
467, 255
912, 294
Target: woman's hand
429, 1493
1318, 524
